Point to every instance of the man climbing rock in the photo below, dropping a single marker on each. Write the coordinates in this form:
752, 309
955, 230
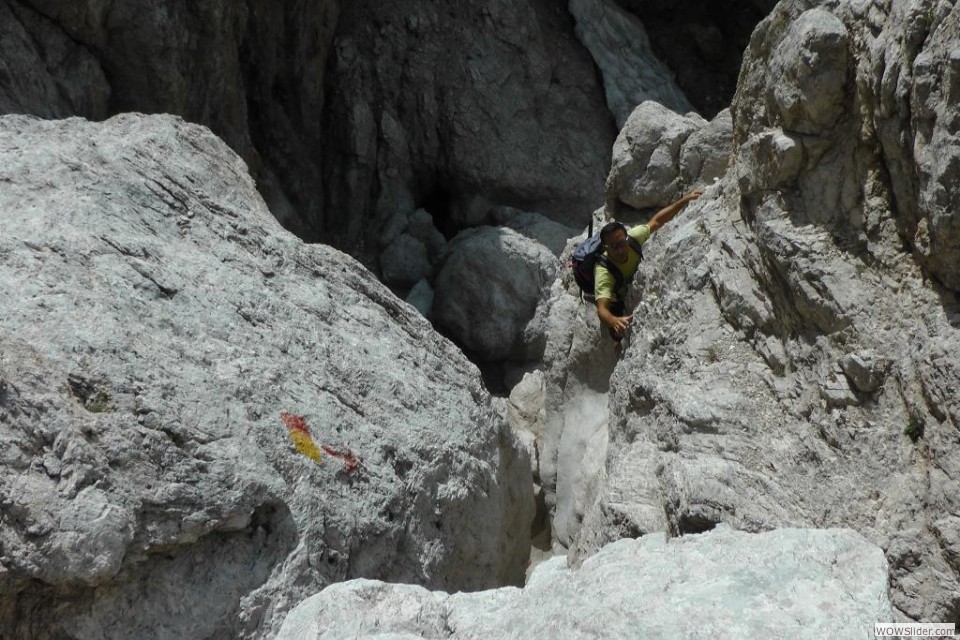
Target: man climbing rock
621, 248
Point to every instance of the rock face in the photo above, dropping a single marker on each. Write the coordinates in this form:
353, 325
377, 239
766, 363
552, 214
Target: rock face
702, 42
659, 155
488, 289
348, 112
436, 107
345, 112
620, 47
797, 329
157, 322
253, 72
725, 584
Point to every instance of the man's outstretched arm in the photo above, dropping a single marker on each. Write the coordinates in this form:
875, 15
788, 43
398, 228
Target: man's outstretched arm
667, 214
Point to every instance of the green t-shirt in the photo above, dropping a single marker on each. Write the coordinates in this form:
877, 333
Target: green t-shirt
604, 282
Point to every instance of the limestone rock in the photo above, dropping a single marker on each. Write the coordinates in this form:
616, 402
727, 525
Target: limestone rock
706, 154
157, 322
488, 289
724, 584
619, 45
436, 100
552, 235
405, 262
702, 42
751, 391
421, 297
807, 77
749, 395
339, 108
578, 359
44, 72
660, 154
866, 370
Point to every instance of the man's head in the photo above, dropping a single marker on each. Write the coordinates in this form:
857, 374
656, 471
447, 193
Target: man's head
613, 235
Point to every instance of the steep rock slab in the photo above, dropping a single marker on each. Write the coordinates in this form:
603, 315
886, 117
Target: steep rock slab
577, 359
725, 584
157, 322
796, 363
459, 106
620, 47
658, 154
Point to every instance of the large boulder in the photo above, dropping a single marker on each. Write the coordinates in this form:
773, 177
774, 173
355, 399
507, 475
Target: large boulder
161, 335
551, 234
488, 289
798, 330
725, 584
659, 155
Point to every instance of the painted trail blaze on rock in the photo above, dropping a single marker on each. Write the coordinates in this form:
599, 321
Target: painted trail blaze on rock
303, 442
300, 434
349, 461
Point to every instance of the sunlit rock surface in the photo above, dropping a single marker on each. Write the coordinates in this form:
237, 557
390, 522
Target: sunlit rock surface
156, 324
724, 584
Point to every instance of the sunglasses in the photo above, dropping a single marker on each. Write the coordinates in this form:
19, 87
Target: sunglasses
619, 244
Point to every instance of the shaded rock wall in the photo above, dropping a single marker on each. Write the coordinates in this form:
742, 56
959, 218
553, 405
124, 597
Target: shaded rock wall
619, 45
157, 321
253, 72
341, 113
347, 113
702, 42
459, 107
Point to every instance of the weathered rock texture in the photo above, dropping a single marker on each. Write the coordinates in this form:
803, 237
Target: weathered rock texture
156, 321
725, 584
619, 45
701, 42
488, 289
660, 155
345, 112
795, 356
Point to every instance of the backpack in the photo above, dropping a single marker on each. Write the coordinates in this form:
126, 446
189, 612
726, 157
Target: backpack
588, 254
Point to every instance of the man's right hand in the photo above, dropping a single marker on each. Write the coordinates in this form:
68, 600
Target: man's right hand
621, 324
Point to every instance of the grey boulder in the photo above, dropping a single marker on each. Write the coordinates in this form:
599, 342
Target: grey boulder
162, 342
725, 584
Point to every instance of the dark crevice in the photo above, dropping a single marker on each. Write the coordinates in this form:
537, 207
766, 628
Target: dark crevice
438, 202
702, 42
693, 523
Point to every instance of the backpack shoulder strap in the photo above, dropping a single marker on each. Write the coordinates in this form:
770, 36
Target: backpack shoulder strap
635, 245
603, 261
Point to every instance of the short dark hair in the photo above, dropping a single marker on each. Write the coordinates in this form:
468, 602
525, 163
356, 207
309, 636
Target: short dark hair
609, 228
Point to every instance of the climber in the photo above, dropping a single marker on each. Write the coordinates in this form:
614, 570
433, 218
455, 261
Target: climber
621, 255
